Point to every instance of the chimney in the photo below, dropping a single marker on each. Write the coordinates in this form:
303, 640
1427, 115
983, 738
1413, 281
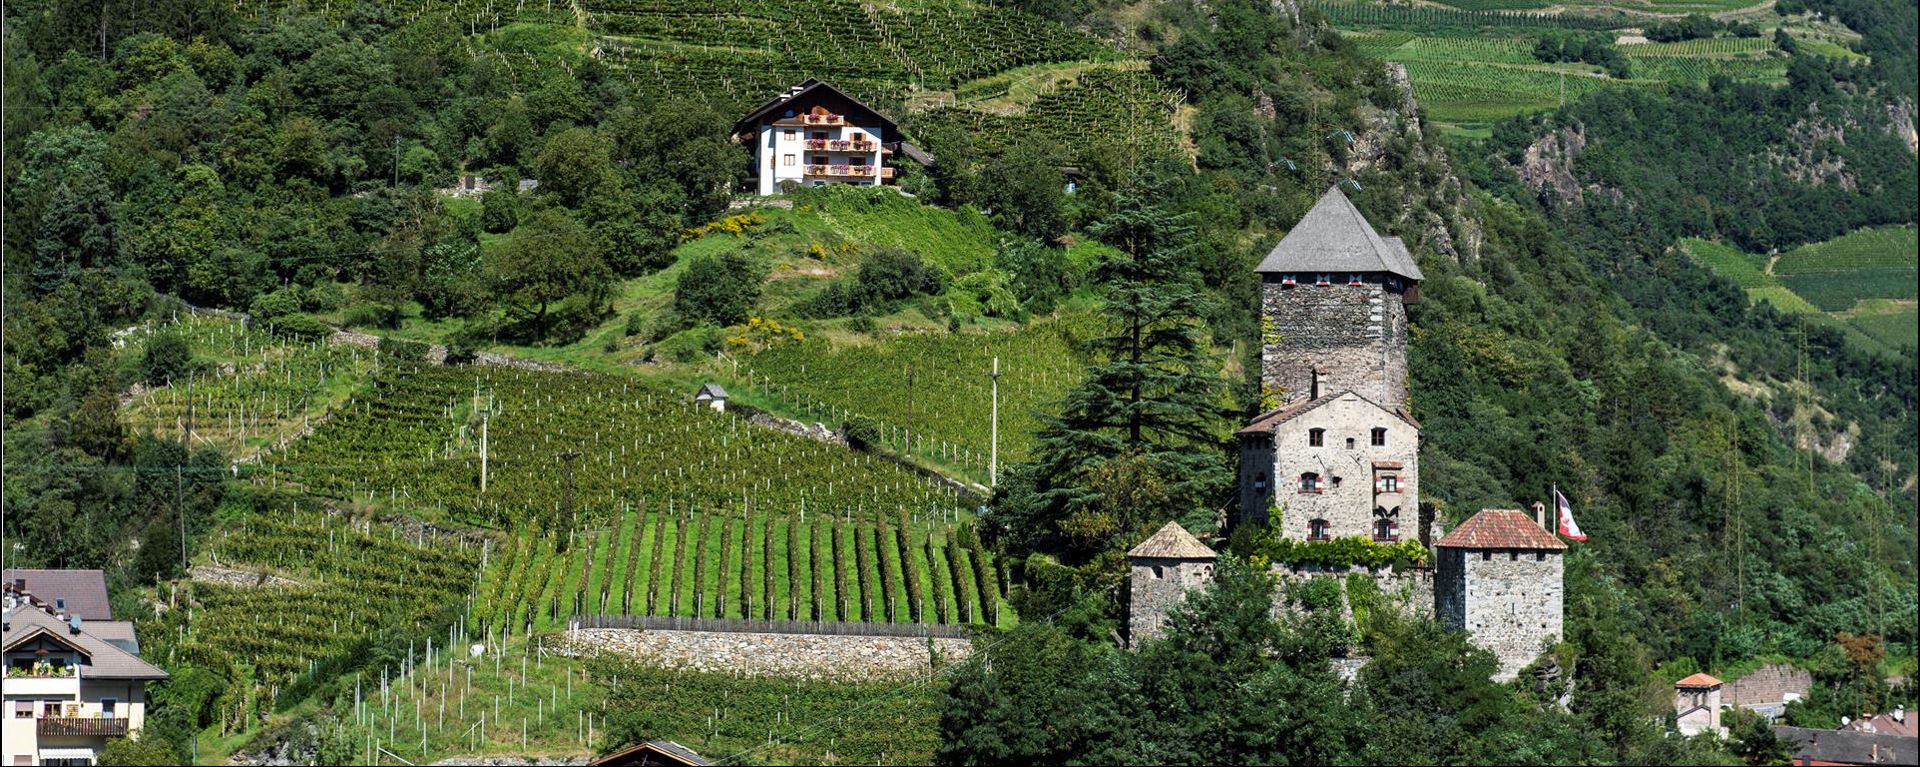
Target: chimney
19, 585
1900, 714
1540, 515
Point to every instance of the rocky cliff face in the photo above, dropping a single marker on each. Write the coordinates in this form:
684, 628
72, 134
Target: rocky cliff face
1434, 202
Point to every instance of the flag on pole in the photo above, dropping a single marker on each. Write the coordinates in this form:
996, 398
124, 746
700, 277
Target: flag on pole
1568, 528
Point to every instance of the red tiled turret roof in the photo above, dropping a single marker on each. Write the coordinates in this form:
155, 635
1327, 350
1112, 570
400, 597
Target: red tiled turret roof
1500, 529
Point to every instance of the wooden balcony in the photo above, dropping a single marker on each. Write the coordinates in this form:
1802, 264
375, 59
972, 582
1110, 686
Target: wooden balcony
832, 145
823, 119
58, 725
841, 171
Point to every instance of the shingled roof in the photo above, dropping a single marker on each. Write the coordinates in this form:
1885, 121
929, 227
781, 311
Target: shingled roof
1500, 529
1171, 542
1334, 237
1698, 680
84, 592
105, 658
806, 88
1815, 746
1265, 422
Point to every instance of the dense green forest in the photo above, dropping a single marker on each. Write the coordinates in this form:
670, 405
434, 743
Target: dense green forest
285, 164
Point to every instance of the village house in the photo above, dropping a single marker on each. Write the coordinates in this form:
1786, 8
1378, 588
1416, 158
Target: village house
72, 682
813, 135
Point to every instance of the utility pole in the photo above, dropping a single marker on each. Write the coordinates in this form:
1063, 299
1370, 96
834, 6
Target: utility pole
566, 501
993, 454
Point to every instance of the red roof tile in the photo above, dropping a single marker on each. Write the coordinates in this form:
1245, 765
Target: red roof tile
1698, 680
1500, 529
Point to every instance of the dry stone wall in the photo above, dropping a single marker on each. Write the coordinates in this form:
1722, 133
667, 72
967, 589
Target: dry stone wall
1767, 686
801, 656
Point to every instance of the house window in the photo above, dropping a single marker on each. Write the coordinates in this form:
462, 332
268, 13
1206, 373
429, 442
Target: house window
49, 709
1316, 437
1323, 279
857, 160
1336, 481
1354, 279
1379, 437
1390, 484
817, 160
1317, 530
1349, 443
1486, 556
1289, 280
1309, 483
788, 160
1158, 573
60, 603
107, 707
818, 135
1539, 556
23, 709
790, 135
1382, 530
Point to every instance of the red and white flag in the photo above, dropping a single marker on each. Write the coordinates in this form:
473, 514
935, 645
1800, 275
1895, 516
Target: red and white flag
1568, 528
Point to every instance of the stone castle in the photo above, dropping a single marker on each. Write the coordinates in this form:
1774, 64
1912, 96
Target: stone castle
1339, 456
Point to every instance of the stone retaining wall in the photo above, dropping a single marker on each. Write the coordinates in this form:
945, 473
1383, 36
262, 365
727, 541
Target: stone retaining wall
802, 656
1769, 684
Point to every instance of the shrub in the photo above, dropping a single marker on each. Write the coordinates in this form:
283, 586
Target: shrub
302, 326
271, 306
719, 290
499, 211
323, 296
861, 433
167, 357
403, 351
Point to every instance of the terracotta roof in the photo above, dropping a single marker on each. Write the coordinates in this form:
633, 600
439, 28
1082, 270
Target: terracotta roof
1171, 542
1265, 422
85, 591
105, 659
1698, 680
1500, 529
1334, 237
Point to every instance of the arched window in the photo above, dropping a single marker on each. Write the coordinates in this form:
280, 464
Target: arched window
1317, 530
1379, 436
1316, 437
1309, 482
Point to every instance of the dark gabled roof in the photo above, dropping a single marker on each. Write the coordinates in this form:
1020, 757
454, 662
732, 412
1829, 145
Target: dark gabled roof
811, 85
652, 752
711, 390
105, 658
1501, 529
916, 154
1265, 422
1817, 746
1335, 237
85, 591
1171, 542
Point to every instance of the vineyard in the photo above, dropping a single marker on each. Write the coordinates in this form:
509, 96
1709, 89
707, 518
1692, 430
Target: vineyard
1121, 110
255, 388
1883, 248
1855, 280
1749, 272
738, 52
527, 701
414, 438
313, 587
947, 414
1486, 14
664, 561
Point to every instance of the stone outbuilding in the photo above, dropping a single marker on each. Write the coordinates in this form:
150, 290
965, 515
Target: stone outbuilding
1164, 567
1499, 577
1696, 705
711, 395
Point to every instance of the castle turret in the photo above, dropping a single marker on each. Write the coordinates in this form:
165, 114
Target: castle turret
1696, 705
1499, 579
1334, 296
1164, 567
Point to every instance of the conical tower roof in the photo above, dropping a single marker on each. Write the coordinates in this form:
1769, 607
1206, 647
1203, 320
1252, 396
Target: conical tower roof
1171, 542
1334, 238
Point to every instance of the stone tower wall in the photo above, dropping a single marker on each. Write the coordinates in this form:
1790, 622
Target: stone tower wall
1156, 587
1509, 601
1346, 505
1355, 336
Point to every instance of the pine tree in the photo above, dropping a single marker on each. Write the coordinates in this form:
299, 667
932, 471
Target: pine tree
1152, 398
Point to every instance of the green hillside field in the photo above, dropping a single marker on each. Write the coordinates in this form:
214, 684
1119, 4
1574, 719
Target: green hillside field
1864, 280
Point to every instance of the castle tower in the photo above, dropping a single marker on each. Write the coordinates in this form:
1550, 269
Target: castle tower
1164, 567
1696, 705
1333, 296
1499, 579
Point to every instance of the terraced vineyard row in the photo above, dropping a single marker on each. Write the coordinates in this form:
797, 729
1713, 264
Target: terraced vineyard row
1749, 272
948, 413
333, 583
1882, 248
254, 388
1361, 13
741, 51
414, 438
1125, 111
653, 560
1471, 92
